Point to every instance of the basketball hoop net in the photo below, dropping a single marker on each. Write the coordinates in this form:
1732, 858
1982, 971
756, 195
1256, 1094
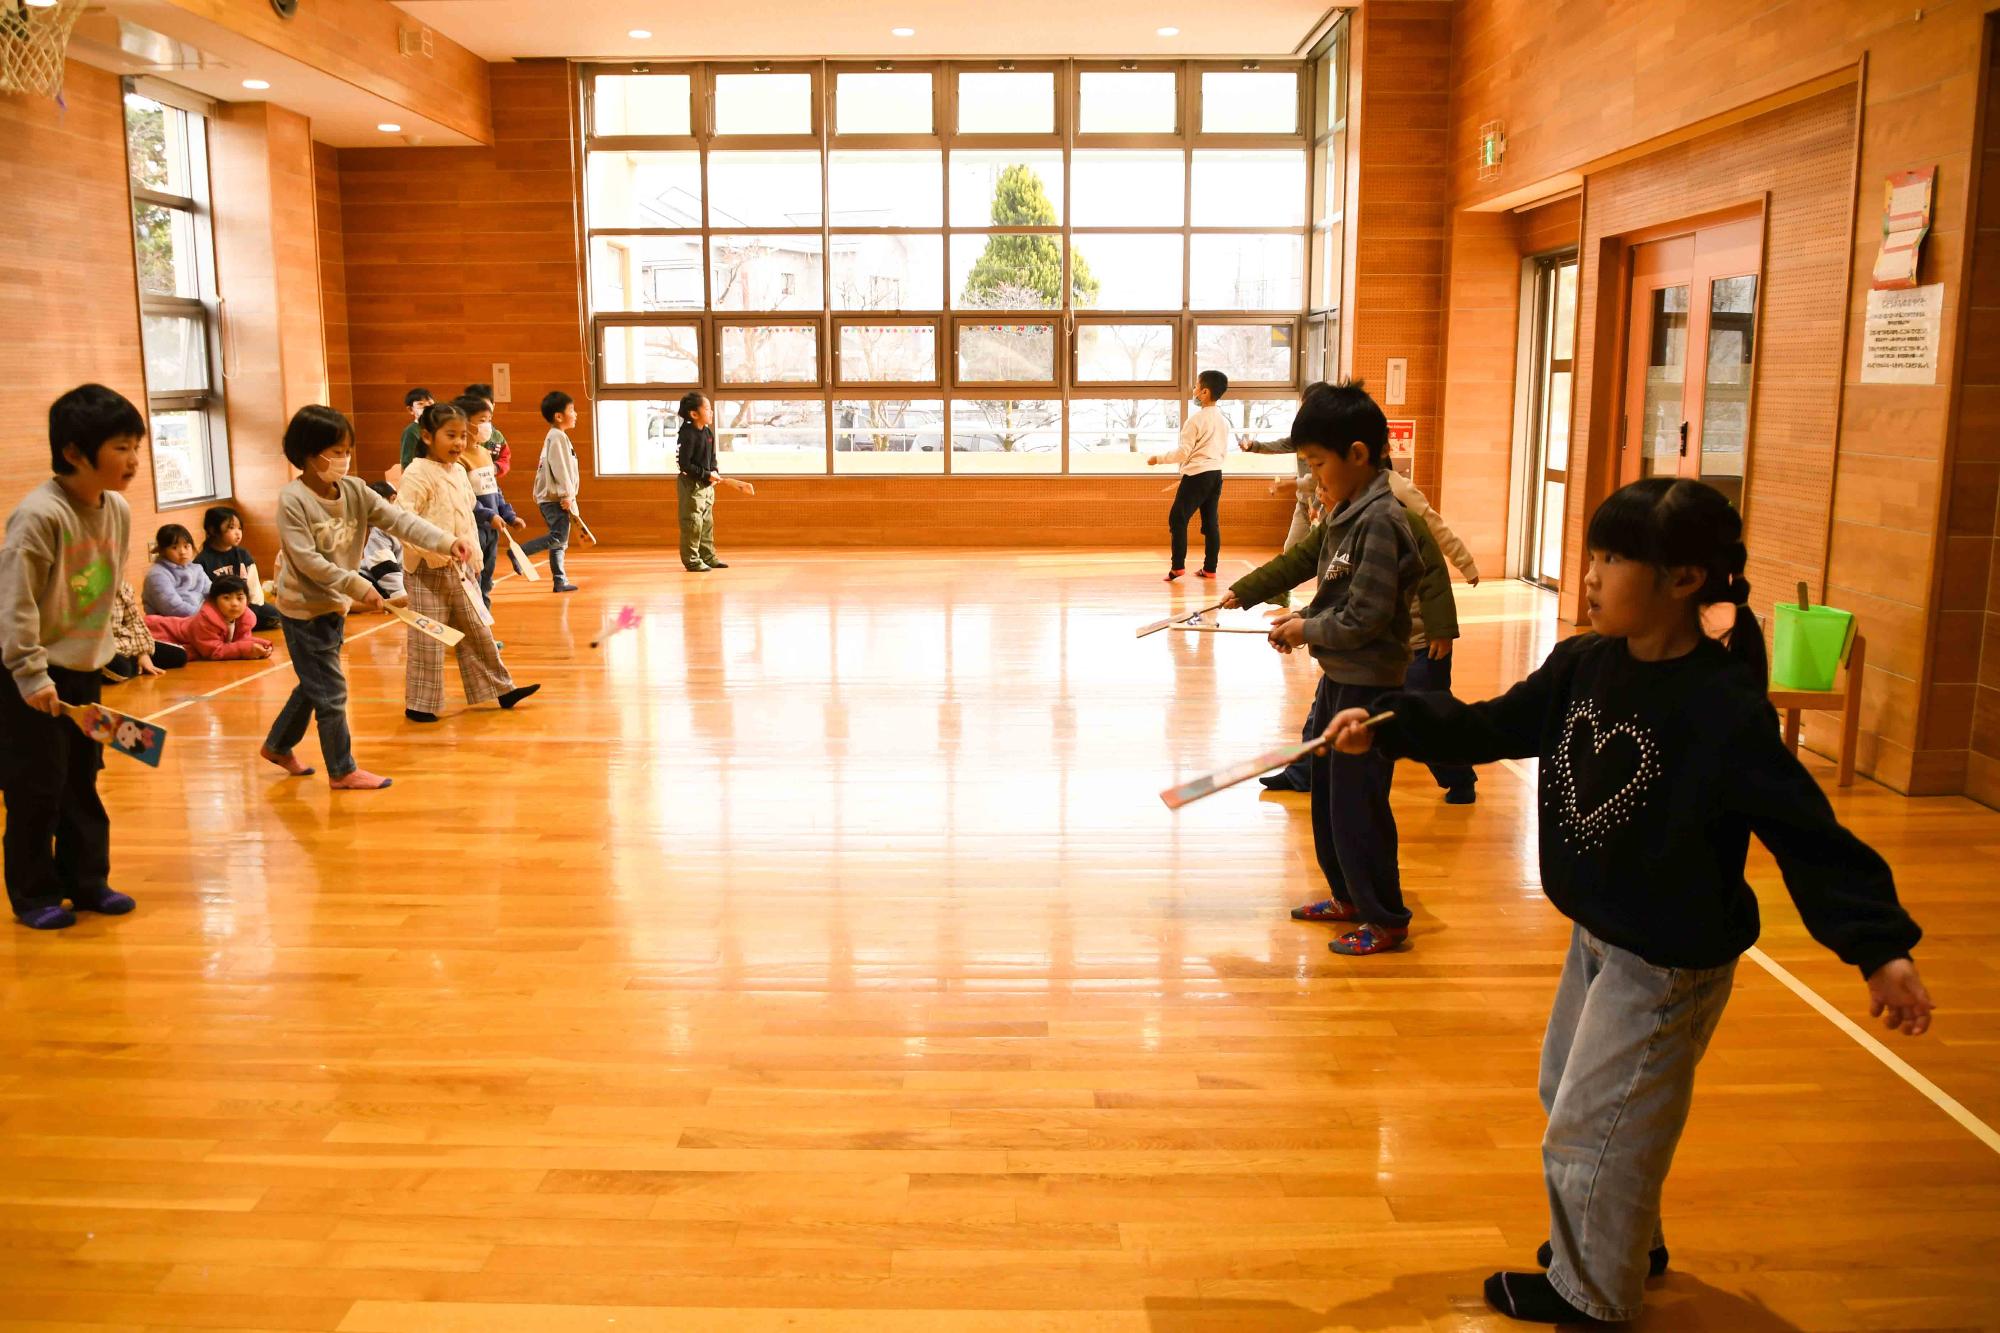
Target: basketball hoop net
33, 38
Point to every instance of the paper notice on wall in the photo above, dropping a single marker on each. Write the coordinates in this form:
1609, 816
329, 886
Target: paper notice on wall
1899, 344
1906, 219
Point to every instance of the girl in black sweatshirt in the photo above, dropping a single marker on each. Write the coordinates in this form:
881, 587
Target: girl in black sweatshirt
1660, 757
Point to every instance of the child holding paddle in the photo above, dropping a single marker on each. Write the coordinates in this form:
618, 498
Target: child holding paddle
438, 490
323, 522
61, 564
1660, 756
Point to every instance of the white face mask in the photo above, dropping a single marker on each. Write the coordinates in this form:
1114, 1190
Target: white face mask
333, 469
484, 433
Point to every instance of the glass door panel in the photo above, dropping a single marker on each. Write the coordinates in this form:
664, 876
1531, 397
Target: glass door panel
1725, 411
1662, 426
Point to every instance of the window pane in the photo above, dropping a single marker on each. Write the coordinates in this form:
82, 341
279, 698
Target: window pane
1006, 353
1006, 435
1006, 189
1565, 313
883, 104
166, 247
888, 435
156, 148
1125, 353
1249, 102
1247, 272
644, 189
1550, 548
769, 353
888, 353
1115, 188
636, 437
900, 272
1007, 103
1556, 428
1251, 353
1725, 411
181, 460
642, 104
1332, 187
1117, 434
887, 189
765, 273
640, 354
1260, 419
771, 437
176, 353
1006, 272
763, 104
1115, 272
645, 273
1234, 189
1134, 102
763, 189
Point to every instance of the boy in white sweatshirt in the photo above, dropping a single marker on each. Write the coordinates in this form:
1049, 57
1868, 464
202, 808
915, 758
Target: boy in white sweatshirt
1204, 443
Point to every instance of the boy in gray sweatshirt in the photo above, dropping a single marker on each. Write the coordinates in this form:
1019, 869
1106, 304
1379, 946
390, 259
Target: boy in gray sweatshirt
61, 564
1357, 627
323, 523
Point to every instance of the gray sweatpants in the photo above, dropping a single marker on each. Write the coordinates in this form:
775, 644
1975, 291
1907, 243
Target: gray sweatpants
1618, 1066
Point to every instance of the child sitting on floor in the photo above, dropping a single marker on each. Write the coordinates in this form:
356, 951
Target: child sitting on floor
219, 632
222, 552
175, 585
134, 651
382, 557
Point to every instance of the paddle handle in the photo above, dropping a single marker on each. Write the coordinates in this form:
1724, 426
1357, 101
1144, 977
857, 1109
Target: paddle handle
1805, 602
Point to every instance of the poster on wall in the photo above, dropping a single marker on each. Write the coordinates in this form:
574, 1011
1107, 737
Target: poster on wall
1403, 446
1906, 218
1899, 344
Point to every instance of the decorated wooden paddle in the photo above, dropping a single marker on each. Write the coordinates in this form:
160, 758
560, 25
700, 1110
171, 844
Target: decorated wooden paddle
115, 731
1283, 757
1192, 628
423, 624
1181, 618
527, 566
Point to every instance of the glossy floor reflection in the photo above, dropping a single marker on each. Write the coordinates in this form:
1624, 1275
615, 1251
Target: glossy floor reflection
819, 954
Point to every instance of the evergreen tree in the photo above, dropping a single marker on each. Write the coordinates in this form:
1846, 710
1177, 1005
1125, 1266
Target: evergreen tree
1024, 272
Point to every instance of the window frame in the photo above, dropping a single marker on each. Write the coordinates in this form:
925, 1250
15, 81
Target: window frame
1254, 139
814, 137
959, 387
1089, 388
1174, 138
1057, 137
1202, 320
838, 139
207, 309
604, 324
843, 387
751, 390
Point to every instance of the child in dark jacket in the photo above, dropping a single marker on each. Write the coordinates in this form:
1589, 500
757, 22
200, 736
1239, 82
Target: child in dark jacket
221, 631
223, 552
1660, 756
1357, 627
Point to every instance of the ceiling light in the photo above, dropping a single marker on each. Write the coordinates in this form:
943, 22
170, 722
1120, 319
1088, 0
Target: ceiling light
902, 32
41, 4
256, 85
387, 128
1168, 32
638, 34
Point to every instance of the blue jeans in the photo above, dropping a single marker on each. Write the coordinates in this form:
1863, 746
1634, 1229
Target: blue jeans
489, 550
555, 541
321, 692
1618, 1064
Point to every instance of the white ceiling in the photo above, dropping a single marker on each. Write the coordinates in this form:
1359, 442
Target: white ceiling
506, 29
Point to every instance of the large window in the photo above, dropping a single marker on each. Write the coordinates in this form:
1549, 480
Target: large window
166, 147
948, 267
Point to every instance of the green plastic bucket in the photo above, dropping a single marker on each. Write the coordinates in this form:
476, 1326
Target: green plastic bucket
1808, 645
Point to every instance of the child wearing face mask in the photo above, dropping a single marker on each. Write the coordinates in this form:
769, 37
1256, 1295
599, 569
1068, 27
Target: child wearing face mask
323, 522
221, 631
175, 585
436, 488
491, 514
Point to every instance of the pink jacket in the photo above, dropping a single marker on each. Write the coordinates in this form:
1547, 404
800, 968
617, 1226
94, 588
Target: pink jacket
205, 635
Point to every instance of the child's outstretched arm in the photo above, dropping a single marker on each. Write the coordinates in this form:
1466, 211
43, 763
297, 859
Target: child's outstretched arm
1437, 728
1274, 578
1842, 886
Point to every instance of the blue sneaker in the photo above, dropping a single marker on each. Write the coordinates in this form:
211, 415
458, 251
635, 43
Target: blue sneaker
53, 917
105, 902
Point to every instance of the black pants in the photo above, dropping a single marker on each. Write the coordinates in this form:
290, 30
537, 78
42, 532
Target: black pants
1354, 830
267, 618
1432, 675
1202, 491
58, 842
166, 656
489, 552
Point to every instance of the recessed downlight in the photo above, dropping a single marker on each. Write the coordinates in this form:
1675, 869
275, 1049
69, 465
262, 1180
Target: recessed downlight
639, 34
1168, 32
902, 32
387, 128
256, 85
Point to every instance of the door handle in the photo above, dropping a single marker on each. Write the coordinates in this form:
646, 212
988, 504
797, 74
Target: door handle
1684, 439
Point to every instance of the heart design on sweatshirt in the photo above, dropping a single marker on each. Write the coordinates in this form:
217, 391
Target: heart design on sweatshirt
1602, 775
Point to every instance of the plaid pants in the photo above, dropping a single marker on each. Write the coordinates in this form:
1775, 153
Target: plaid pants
439, 592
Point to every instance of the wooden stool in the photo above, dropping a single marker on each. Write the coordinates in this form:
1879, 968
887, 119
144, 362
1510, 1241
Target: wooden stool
1846, 701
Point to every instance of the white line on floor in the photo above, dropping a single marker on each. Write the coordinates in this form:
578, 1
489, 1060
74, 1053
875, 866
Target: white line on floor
1898, 1066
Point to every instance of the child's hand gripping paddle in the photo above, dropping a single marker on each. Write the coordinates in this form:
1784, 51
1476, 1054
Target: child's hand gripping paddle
127, 735
444, 634
576, 513
1210, 783
1183, 618
743, 486
627, 617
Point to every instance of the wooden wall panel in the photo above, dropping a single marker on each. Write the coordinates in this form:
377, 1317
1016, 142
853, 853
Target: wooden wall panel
332, 278
1402, 87
69, 302
458, 258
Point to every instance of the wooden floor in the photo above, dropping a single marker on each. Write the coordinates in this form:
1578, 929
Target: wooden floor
819, 955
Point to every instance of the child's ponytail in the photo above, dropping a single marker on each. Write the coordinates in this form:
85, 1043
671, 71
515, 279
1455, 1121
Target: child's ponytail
1678, 523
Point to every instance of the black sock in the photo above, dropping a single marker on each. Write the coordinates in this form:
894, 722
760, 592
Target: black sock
1656, 1258
1533, 1298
